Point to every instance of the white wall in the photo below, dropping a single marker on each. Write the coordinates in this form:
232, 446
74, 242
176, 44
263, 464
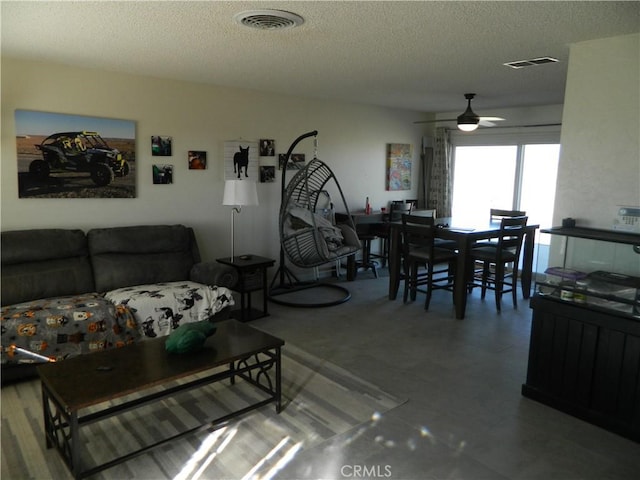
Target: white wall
600, 156
352, 141
599, 164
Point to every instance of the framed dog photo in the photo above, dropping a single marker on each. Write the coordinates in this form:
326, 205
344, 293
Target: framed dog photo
241, 160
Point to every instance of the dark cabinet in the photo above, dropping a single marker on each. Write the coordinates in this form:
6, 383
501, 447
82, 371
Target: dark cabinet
585, 363
584, 354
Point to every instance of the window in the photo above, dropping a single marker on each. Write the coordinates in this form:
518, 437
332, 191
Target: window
503, 171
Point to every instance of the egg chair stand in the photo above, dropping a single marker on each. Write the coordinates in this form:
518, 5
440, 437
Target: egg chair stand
307, 238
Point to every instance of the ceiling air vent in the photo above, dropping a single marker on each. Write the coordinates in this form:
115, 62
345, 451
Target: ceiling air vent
268, 19
531, 63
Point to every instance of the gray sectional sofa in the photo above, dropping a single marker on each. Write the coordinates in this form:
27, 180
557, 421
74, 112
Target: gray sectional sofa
59, 289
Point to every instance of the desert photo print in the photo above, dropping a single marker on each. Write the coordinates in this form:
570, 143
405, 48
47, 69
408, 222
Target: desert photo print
75, 156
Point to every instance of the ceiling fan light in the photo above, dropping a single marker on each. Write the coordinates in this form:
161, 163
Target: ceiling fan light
467, 127
468, 121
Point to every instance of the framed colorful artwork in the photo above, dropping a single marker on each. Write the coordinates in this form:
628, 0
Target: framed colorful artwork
399, 161
75, 156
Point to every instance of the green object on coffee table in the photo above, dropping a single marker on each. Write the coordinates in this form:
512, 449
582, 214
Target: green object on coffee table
189, 337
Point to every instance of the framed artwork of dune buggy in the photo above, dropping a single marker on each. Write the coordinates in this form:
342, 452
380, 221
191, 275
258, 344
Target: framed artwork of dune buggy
75, 156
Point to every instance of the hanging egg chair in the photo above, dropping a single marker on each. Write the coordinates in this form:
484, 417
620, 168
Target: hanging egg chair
309, 236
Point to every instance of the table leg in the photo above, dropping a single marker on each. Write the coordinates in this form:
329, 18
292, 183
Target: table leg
278, 381
462, 277
394, 261
527, 263
47, 418
243, 307
75, 444
265, 293
351, 268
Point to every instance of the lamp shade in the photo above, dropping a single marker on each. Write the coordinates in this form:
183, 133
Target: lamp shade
240, 192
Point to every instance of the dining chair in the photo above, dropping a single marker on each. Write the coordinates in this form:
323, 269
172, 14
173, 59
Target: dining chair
500, 260
497, 214
419, 252
413, 202
397, 208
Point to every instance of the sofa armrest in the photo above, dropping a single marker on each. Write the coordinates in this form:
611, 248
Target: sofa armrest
213, 273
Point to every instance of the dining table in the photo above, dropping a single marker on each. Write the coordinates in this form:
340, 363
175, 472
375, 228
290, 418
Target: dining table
465, 234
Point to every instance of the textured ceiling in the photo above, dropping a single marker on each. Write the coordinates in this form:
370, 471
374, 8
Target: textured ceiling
416, 55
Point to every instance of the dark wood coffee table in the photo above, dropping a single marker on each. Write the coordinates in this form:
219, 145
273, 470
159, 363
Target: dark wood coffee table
235, 350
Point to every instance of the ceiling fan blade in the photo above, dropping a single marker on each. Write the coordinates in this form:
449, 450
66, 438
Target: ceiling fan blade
484, 121
436, 121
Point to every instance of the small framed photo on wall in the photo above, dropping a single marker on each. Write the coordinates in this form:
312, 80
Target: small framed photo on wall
296, 161
161, 146
267, 174
162, 174
267, 147
197, 160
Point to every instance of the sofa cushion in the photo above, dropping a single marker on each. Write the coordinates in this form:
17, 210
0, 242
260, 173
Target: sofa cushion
43, 263
162, 307
127, 256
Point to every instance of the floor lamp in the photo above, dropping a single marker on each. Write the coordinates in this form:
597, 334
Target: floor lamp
236, 194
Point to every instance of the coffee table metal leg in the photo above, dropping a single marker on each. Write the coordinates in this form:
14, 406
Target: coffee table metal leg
75, 445
278, 381
61, 431
46, 416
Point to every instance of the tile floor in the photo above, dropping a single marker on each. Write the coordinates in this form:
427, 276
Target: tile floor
464, 417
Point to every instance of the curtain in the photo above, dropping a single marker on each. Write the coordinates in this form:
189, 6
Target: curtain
437, 174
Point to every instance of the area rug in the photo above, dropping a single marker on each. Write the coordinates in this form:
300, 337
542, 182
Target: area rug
320, 401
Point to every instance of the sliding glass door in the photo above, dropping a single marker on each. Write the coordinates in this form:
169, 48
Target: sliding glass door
483, 178
513, 176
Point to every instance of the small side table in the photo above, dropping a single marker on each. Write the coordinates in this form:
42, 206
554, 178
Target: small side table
252, 271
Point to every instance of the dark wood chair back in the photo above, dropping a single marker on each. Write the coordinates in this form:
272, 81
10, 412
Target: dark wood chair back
512, 230
399, 208
496, 214
501, 253
417, 220
420, 252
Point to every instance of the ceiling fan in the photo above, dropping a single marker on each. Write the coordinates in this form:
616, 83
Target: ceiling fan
468, 121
